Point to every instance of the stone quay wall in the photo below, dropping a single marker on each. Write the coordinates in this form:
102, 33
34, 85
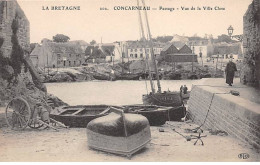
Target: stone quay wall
239, 117
9, 10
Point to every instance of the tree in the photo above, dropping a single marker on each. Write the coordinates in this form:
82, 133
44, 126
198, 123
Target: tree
93, 42
60, 38
224, 38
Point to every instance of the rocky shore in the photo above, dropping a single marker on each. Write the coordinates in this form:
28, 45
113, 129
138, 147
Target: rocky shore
109, 71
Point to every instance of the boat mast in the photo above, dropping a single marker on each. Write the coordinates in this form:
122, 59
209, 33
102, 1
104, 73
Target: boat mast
146, 56
152, 52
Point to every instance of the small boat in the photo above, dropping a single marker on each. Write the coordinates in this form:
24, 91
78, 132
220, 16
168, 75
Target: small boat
157, 115
79, 116
119, 133
99, 76
128, 76
168, 98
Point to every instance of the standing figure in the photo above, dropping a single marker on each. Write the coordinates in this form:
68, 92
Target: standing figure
230, 72
185, 90
181, 89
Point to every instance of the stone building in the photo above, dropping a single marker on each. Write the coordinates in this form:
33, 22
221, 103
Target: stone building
138, 50
251, 42
52, 54
172, 54
10, 10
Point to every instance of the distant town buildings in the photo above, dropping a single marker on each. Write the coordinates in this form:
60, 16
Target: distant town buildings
52, 54
139, 50
11, 10
102, 53
184, 54
251, 42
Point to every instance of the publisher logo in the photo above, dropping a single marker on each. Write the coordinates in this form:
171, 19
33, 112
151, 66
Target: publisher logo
243, 156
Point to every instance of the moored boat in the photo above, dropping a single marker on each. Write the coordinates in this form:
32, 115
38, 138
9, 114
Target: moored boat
129, 76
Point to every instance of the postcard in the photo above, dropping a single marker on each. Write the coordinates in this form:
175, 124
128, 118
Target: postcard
129, 81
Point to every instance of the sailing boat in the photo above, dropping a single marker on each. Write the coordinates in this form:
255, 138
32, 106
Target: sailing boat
166, 98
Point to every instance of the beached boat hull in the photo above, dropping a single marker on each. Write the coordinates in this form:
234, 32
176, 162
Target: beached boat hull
119, 133
126, 146
157, 115
79, 116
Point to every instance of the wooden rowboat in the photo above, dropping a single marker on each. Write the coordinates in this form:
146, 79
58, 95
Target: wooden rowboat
157, 115
80, 115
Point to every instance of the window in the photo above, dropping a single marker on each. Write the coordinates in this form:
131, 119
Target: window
131, 55
148, 50
69, 63
141, 55
58, 56
70, 55
74, 63
135, 55
131, 50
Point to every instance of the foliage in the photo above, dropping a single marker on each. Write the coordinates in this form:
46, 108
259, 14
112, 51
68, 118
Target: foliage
93, 42
163, 39
3, 60
224, 38
60, 38
17, 52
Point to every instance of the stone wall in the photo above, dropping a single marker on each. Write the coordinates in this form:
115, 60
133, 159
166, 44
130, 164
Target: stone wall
250, 74
240, 118
8, 11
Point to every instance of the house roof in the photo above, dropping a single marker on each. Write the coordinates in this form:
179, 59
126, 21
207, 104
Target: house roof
185, 49
166, 47
178, 38
36, 50
108, 50
64, 48
79, 42
141, 44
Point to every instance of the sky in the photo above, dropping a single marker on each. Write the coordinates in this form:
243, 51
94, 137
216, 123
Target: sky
91, 23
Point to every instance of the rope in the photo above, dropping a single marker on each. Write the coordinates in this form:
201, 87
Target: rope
208, 110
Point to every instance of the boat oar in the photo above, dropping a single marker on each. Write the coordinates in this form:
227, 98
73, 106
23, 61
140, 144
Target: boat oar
188, 138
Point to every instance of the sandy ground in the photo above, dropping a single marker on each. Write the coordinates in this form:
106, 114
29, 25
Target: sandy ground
71, 145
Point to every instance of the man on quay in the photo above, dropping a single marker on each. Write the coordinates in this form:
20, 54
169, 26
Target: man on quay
230, 72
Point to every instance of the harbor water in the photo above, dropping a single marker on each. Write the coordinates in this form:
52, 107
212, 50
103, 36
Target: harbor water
110, 92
